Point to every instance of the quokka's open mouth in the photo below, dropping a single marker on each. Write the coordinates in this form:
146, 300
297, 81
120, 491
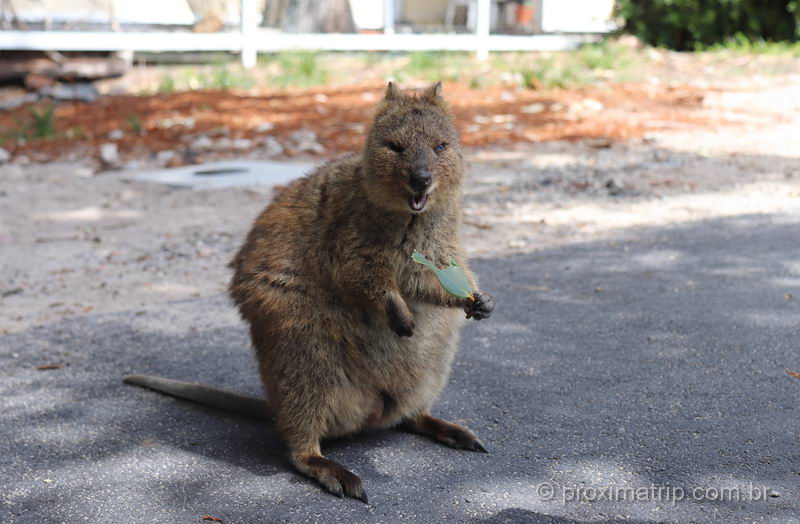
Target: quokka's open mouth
417, 201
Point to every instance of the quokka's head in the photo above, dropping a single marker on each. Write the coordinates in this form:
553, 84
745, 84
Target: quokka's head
413, 156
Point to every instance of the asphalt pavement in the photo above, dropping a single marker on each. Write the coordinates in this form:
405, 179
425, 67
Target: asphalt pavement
641, 378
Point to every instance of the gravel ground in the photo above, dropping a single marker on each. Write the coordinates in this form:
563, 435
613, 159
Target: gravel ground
77, 243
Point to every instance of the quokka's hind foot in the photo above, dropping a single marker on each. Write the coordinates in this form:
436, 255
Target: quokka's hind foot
333, 476
445, 432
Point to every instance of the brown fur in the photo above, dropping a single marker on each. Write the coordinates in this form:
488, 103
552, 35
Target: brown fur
348, 331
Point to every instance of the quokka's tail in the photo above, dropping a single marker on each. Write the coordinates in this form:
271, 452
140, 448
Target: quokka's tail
229, 401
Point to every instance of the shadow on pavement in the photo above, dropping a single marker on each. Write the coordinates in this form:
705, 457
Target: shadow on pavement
657, 358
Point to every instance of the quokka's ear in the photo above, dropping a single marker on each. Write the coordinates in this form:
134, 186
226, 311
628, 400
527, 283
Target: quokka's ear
434, 91
391, 91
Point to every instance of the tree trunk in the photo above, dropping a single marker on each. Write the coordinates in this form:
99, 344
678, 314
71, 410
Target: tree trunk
309, 16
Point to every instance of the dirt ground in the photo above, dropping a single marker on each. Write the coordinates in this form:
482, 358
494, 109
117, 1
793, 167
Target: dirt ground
576, 165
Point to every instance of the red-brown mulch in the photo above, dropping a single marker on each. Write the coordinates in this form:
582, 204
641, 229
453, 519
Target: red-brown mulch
494, 115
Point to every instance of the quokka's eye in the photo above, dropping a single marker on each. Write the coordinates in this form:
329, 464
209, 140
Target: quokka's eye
441, 147
397, 148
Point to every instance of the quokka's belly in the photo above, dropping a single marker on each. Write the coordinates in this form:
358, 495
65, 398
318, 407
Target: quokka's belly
405, 374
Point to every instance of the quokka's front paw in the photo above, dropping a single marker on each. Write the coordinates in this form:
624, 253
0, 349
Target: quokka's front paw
481, 307
400, 319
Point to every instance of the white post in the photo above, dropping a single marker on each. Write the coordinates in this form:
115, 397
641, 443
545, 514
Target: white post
388, 17
248, 25
482, 26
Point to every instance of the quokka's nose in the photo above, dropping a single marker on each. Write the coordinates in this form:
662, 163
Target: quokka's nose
420, 180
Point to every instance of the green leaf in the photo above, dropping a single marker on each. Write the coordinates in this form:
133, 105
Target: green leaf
452, 278
458, 276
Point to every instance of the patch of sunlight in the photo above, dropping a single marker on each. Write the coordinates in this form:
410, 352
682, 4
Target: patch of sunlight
758, 197
658, 258
87, 214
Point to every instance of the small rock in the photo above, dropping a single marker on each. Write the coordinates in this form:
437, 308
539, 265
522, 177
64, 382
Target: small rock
660, 156
508, 77
13, 103
166, 156
590, 104
264, 127
614, 186
272, 147
506, 96
305, 140
109, 154
599, 143
241, 143
503, 119
320, 98
116, 134
84, 91
5, 156
183, 121
202, 142
774, 494
232, 143
356, 127
534, 108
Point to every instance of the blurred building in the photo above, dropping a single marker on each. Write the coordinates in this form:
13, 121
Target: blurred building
508, 16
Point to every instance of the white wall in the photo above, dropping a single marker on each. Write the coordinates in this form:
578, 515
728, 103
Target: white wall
99, 11
577, 16
367, 14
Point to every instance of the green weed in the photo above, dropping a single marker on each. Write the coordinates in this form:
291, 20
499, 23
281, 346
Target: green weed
134, 123
425, 61
43, 122
298, 69
166, 85
552, 73
742, 44
603, 56
223, 79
